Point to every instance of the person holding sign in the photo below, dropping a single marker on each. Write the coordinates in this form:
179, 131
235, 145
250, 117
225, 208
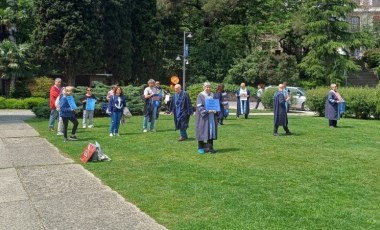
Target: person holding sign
182, 109
206, 122
67, 112
88, 101
242, 103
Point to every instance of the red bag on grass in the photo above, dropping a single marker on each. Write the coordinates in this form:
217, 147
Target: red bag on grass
88, 152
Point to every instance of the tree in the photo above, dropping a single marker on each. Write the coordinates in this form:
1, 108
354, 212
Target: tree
68, 36
329, 40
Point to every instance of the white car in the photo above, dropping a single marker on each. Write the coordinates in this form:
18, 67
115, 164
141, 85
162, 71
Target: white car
298, 97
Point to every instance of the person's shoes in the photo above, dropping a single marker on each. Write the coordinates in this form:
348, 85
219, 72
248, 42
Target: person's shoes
90, 126
111, 134
275, 134
182, 139
65, 140
116, 134
237, 118
145, 131
84, 126
201, 151
59, 134
211, 150
51, 129
153, 130
73, 138
332, 127
289, 133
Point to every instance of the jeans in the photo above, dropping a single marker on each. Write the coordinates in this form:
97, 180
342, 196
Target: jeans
183, 133
88, 114
115, 121
152, 121
53, 116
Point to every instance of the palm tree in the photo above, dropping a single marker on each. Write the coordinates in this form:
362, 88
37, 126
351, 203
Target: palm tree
13, 61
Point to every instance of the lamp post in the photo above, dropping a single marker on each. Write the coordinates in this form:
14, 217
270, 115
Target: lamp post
184, 57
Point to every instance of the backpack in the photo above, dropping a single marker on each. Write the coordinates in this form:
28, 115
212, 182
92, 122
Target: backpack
57, 106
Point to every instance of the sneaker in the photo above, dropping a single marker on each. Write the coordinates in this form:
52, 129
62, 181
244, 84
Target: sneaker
145, 131
59, 134
275, 134
90, 126
111, 134
201, 151
65, 140
51, 129
116, 134
84, 126
153, 130
73, 138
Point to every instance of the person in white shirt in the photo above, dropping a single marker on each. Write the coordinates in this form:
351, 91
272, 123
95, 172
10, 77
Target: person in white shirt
150, 109
242, 101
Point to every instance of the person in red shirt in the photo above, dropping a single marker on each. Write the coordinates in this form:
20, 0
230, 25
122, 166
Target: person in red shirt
55, 91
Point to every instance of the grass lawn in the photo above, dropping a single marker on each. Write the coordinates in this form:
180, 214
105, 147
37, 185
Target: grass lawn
319, 178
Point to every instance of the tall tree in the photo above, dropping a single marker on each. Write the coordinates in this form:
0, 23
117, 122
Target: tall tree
329, 40
117, 39
68, 35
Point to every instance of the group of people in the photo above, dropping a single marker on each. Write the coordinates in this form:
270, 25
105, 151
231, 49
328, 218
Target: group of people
208, 117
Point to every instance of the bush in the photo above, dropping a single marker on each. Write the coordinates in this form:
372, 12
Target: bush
316, 99
267, 98
40, 86
42, 112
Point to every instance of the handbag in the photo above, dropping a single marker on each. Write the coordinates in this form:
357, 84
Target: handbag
127, 113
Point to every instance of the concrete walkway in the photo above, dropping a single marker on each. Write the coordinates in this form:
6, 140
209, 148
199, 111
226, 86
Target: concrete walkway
42, 189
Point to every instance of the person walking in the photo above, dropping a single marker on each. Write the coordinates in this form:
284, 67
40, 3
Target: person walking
150, 110
332, 108
116, 106
242, 104
182, 109
88, 101
67, 113
259, 95
205, 121
280, 113
55, 91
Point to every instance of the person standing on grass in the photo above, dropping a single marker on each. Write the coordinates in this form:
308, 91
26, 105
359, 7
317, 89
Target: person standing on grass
55, 91
116, 106
280, 113
88, 113
150, 110
67, 113
182, 109
286, 92
333, 101
221, 95
205, 122
158, 99
242, 103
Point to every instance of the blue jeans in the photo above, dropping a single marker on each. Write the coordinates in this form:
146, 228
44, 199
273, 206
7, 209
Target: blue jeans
152, 121
115, 121
53, 116
183, 133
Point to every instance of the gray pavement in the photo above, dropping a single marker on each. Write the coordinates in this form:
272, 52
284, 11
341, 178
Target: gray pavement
40, 188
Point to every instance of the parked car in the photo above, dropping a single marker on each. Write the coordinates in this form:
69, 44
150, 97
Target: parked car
298, 97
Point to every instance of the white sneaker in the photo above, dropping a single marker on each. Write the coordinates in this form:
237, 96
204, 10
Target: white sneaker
59, 134
145, 130
116, 134
84, 126
111, 134
153, 130
90, 126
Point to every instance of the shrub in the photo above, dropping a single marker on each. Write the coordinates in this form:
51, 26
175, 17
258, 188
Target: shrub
40, 86
35, 102
42, 112
267, 98
316, 99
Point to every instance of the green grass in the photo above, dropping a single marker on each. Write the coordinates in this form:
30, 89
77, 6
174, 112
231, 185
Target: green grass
319, 178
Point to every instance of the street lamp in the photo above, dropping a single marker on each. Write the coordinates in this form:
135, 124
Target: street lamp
184, 57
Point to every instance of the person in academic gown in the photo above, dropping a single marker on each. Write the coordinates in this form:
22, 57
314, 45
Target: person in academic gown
205, 122
182, 109
332, 108
280, 111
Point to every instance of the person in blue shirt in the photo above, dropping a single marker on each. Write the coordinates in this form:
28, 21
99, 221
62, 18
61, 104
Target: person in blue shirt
116, 106
67, 113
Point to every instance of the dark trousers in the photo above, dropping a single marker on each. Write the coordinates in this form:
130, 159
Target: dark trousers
65, 121
333, 123
285, 128
201, 144
258, 102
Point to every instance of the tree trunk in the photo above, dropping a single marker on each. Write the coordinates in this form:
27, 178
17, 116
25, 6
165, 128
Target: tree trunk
70, 75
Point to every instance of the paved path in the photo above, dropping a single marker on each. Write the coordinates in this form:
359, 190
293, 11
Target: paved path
42, 189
